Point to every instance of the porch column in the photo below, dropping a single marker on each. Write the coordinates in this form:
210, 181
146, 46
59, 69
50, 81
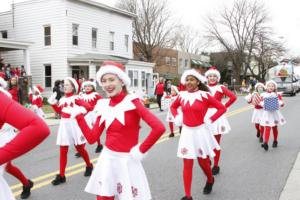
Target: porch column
92, 71
27, 62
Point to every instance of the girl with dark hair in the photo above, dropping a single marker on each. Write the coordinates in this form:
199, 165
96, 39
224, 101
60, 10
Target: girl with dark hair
196, 140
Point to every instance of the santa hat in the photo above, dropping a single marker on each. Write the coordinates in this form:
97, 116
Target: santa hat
74, 83
111, 67
38, 89
175, 89
192, 72
259, 84
213, 70
3, 83
273, 82
91, 83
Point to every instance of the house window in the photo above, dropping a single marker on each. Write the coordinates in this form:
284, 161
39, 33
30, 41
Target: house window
167, 60
47, 35
75, 34
186, 63
112, 40
174, 62
133, 75
143, 79
48, 74
126, 40
94, 38
4, 34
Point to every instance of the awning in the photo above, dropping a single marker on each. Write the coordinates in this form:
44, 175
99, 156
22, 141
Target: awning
12, 45
90, 57
200, 63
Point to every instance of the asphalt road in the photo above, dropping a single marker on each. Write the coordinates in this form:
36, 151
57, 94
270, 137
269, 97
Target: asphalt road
247, 171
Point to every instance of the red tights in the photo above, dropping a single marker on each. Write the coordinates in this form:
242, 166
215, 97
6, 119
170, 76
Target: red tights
188, 172
217, 152
16, 172
63, 157
267, 133
171, 125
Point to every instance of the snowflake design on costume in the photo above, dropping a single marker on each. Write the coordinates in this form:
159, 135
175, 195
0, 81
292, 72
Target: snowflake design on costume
184, 151
119, 188
200, 152
134, 191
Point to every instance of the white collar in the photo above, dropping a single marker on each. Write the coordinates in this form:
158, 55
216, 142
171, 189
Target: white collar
67, 100
214, 89
191, 97
110, 113
88, 97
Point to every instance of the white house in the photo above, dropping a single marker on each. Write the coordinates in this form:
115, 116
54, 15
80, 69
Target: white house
70, 38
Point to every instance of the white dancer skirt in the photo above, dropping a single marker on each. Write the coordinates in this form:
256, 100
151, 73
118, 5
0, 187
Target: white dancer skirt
272, 118
257, 115
117, 174
196, 142
221, 125
69, 133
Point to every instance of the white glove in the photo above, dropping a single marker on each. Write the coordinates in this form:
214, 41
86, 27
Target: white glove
30, 91
207, 121
281, 104
136, 154
52, 99
262, 104
77, 110
178, 120
248, 98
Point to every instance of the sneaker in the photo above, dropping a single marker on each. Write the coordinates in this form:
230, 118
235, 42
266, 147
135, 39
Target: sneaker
215, 170
208, 187
99, 148
58, 180
265, 146
275, 143
187, 198
77, 155
171, 135
26, 190
88, 170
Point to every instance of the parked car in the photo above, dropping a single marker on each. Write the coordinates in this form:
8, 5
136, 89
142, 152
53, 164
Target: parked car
287, 85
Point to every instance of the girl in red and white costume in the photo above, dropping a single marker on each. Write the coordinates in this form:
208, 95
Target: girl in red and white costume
7, 133
255, 98
119, 172
170, 118
36, 100
32, 132
271, 119
69, 132
196, 140
220, 126
91, 97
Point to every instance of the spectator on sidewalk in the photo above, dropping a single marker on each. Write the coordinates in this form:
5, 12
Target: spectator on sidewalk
159, 92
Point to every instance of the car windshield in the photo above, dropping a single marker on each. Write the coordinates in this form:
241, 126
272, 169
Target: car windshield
283, 79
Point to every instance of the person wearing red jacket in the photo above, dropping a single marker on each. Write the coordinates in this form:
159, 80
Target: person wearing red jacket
255, 98
196, 140
270, 119
159, 92
14, 89
36, 100
220, 126
69, 132
33, 131
91, 97
119, 172
7, 133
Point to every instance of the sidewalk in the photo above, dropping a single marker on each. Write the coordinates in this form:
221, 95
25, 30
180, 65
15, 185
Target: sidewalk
292, 187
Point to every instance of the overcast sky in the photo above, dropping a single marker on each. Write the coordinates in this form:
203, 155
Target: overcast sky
285, 16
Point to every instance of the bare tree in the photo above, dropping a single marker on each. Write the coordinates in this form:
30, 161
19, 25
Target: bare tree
236, 30
152, 26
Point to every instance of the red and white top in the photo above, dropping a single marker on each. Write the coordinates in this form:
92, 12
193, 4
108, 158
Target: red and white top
91, 98
255, 99
194, 106
121, 116
32, 129
68, 102
219, 91
36, 100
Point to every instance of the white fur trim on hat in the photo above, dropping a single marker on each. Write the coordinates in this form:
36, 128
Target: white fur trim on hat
36, 89
213, 71
111, 69
175, 88
259, 84
86, 83
3, 83
271, 81
194, 73
74, 82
